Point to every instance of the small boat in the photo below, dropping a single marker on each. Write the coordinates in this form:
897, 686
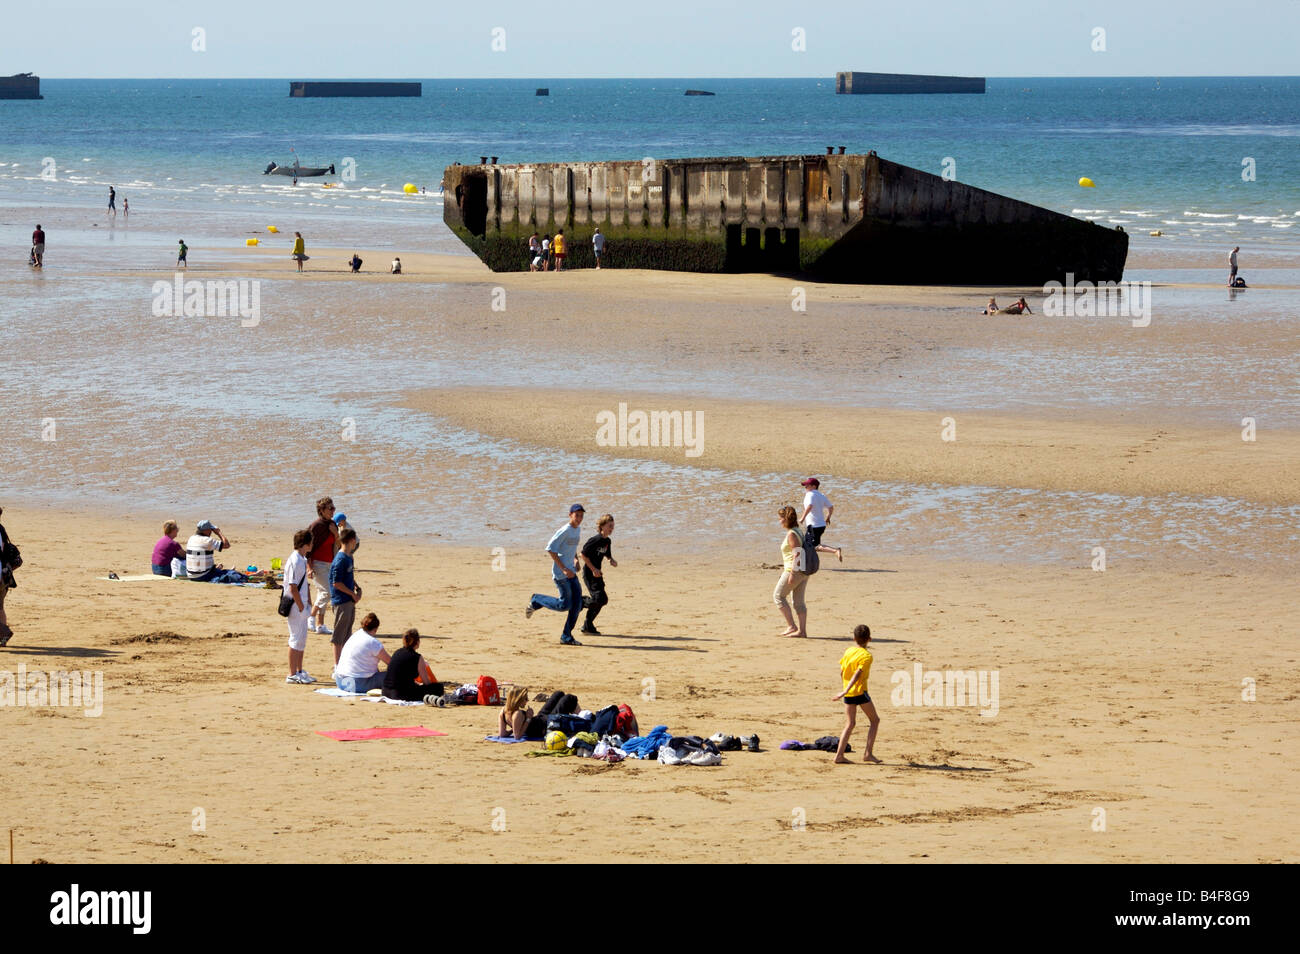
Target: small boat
297, 171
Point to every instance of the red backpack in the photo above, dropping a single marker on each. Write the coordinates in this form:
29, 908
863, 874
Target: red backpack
488, 694
625, 721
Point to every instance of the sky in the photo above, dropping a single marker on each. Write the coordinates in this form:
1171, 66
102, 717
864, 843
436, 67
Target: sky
419, 39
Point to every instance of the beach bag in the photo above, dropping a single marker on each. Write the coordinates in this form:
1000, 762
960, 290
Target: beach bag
605, 722
286, 601
626, 720
568, 724
488, 694
807, 555
11, 558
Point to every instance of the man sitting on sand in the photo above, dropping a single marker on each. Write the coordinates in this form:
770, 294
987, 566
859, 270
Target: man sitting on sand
200, 565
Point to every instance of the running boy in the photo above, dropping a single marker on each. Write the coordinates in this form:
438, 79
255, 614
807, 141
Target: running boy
855, 666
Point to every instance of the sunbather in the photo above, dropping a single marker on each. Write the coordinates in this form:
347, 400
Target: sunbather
513, 721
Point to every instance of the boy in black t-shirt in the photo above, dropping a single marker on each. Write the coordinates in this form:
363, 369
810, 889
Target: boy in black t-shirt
594, 551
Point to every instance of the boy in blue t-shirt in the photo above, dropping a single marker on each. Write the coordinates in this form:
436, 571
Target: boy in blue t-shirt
345, 594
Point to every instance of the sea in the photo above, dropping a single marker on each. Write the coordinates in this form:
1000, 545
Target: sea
1203, 160
1208, 162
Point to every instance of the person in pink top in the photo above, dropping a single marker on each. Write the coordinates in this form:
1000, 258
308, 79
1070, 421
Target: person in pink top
166, 550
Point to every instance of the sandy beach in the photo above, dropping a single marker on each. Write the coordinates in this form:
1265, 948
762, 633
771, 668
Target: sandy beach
1125, 696
1119, 693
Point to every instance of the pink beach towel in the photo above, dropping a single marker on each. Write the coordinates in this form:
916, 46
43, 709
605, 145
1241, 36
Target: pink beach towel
365, 735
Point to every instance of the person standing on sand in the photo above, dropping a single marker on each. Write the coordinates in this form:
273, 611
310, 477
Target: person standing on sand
792, 581
534, 251
180, 255
296, 587
7, 582
594, 551
855, 666
546, 253
324, 544
598, 247
817, 510
563, 551
299, 253
126, 209
1232, 263
112, 202
38, 245
344, 592
560, 249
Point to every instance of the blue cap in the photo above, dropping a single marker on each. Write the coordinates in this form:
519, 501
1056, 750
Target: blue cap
576, 508
205, 526
340, 518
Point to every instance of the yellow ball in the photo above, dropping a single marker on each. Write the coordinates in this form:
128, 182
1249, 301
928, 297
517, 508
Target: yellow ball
250, 241
410, 188
272, 229
1087, 183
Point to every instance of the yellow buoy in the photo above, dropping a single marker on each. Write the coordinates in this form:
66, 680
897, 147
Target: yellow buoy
1087, 183
272, 228
410, 188
250, 241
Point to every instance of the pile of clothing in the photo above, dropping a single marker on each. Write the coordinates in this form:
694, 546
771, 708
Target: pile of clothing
827, 743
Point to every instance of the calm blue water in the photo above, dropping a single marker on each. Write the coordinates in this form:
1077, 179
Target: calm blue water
1165, 154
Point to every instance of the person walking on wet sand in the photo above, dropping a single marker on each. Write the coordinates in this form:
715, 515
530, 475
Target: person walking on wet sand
855, 667
112, 202
563, 551
299, 253
1232, 263
180, 255
38, 247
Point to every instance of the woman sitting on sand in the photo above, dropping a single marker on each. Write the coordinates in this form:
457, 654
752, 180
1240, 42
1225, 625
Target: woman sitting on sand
166, 550
793, 581
513, 721
405, 668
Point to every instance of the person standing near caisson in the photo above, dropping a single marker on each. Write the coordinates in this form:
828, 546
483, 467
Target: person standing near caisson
594, 551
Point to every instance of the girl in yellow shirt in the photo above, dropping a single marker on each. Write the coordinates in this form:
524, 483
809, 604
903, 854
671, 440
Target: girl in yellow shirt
855, 667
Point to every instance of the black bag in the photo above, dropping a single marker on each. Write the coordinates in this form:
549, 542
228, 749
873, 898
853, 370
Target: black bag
286, 601
568, 724
811, 562
11, 558
605, 722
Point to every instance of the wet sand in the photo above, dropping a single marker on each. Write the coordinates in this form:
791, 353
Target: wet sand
1120, 690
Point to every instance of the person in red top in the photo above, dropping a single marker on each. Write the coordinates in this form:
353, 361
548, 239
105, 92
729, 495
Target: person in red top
324, 544
38, 246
